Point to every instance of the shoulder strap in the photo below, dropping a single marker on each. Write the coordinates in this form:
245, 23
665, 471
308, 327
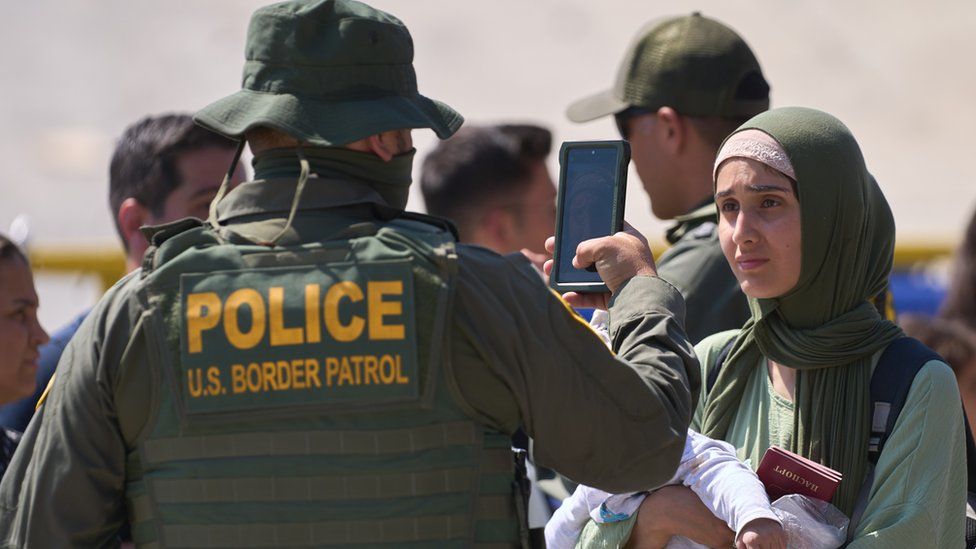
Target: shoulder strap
157, 236
717, 365
890, 383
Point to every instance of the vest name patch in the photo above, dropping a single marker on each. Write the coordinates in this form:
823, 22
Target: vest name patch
279, 337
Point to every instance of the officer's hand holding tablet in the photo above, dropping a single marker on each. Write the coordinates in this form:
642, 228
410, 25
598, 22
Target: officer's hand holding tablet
594, 251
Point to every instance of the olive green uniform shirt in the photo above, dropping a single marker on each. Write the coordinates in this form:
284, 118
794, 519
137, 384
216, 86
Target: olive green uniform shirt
696, 266
519, 356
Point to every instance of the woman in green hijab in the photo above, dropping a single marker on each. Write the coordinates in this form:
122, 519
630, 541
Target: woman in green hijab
810, 238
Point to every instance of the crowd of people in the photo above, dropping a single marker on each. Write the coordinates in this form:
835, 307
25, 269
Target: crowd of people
295, 360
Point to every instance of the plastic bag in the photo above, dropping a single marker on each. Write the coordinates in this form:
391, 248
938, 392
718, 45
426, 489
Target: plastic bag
811, 523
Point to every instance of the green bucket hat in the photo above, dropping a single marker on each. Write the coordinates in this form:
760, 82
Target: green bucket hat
693, 64
328, 72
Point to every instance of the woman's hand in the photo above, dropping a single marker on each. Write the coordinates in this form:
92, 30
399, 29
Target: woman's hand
677, 511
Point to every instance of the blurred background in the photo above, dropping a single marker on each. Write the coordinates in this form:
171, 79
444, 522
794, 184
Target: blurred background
900, 75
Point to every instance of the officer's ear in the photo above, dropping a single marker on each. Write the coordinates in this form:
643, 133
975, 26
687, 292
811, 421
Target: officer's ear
385, 145
132, 215
380, 147
672, 128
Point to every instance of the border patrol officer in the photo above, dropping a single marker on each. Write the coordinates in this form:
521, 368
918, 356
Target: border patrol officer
313, 366
685, 83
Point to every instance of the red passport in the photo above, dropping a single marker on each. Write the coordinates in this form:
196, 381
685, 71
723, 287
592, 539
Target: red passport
783, 472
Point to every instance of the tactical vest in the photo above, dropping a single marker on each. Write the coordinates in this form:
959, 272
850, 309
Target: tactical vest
301, 399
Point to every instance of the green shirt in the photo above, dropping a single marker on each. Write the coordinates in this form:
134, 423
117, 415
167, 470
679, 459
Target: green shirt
519, 356
696, 266
919, 490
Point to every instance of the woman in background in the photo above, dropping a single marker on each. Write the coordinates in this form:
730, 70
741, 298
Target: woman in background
20, 336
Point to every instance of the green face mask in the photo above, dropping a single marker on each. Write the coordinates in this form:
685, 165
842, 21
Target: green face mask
390, 179
825, 327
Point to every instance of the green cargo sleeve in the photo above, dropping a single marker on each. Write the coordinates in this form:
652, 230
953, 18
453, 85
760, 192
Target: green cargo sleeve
66, 483
616, 421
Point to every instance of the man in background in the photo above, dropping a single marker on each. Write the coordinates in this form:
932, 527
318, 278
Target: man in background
164, 168
493, 182
684, 85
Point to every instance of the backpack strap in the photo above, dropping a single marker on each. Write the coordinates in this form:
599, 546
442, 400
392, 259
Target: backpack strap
717, 365
890, 383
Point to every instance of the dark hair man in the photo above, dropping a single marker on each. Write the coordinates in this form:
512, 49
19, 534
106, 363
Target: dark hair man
164, 168
685, 84
493, 182
315, 366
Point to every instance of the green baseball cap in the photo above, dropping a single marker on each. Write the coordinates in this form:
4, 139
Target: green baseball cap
328, 72
693, 64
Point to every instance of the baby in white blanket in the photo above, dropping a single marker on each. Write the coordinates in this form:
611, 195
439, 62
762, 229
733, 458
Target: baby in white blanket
728, 487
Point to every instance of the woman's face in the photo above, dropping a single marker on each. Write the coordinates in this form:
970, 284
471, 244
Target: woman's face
759, 227
20, 332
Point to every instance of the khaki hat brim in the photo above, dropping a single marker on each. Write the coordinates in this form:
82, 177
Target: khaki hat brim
326, 123
595, 106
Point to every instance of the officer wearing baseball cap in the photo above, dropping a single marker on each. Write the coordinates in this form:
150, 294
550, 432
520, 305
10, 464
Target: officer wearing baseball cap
313, 366
685, 84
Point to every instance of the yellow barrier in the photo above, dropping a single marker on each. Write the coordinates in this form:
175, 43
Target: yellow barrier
108, 264
912, 253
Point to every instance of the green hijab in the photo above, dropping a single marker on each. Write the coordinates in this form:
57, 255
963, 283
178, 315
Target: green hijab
825, 327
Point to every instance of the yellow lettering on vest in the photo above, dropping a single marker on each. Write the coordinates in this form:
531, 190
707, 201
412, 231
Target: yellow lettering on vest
253, 377
214, 387
379, 308
202, 313
400, 378
345, 374
195, 386
387, 370
238, 385
296, 373
254, 301
357, 365
313, 328
339, 331
284, 374
372, 366
280, 335
312, 373
331, 370
269, 380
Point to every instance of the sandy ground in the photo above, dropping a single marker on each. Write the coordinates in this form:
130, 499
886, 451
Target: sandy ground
901, 75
